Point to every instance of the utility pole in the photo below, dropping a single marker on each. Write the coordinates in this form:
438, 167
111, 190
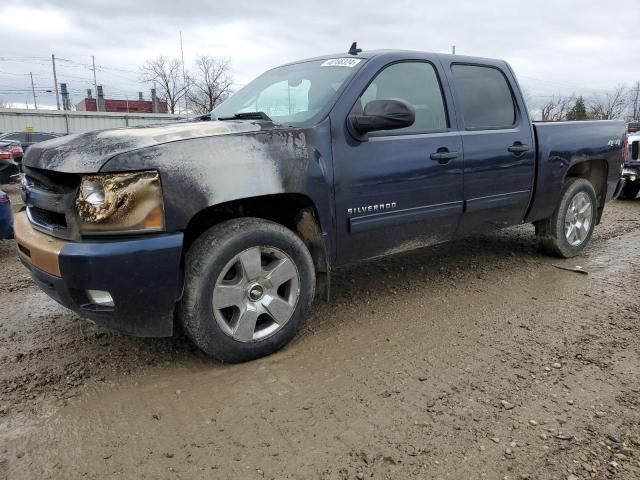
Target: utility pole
33, 90
55, 79
453, 50
635, 101
184, 79
95, 83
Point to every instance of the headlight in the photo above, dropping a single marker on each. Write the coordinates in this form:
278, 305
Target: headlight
120, 203
92, 193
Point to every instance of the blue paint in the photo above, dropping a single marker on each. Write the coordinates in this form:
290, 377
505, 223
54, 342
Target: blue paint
6, 216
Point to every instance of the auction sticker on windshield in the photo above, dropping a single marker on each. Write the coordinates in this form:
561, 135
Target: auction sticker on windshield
341, 62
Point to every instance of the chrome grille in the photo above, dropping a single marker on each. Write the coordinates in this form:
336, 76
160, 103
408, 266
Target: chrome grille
49, 198
47, 218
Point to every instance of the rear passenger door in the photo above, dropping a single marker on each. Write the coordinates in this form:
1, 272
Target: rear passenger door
498, 144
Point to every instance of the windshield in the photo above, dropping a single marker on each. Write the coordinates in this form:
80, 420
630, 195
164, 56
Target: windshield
291, 94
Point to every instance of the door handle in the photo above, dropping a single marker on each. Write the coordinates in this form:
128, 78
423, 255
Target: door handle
518, 148
443, 155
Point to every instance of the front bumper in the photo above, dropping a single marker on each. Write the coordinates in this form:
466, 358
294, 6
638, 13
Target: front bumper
142, 274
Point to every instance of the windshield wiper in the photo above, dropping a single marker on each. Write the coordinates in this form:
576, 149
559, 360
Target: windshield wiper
247, 116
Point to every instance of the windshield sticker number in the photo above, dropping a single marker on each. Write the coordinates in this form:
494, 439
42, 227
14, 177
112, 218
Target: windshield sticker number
341, 62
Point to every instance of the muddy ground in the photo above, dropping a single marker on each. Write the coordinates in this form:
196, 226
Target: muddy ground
472, 360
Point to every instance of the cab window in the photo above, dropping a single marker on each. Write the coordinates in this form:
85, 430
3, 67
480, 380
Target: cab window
485, 97
415, 82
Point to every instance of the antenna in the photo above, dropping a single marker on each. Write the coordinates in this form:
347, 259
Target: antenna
354, 50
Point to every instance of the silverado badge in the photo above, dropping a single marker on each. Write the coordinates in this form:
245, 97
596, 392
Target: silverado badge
377, 207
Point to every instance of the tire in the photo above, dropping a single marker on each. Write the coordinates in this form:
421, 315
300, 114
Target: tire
242, 262
629, 191
552, 234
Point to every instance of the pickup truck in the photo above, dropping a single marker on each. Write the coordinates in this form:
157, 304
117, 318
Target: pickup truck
631, 169
230, 224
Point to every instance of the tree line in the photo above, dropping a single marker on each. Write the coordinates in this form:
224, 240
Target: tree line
620, 103
204, 86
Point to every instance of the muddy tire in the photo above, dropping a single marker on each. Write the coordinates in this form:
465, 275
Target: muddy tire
630, 191
568, 231
249, 285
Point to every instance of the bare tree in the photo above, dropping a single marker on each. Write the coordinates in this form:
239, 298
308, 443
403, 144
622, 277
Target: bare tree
556, 108
611, 105
166, 74
210, 84
634, 101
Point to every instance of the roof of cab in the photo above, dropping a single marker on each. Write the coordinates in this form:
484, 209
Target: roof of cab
398, 54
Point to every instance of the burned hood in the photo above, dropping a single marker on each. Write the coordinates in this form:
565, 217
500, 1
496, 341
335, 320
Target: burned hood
88, 152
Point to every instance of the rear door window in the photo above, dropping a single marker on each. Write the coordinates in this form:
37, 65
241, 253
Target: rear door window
486, 101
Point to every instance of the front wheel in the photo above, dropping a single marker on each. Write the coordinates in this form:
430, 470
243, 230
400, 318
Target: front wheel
249, 285
568, 231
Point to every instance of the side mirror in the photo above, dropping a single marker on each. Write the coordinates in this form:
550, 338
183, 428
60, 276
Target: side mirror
388, 114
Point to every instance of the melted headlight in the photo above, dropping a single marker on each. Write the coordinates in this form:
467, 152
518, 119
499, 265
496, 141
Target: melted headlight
93, 193
120, 203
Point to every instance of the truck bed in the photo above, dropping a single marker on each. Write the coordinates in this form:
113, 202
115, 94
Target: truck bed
557, 153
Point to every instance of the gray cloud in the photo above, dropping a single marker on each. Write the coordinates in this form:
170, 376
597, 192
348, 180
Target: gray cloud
554, 46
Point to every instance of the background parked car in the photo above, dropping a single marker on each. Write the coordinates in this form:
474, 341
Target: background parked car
10, 151
6, 216
631, 170
27, 138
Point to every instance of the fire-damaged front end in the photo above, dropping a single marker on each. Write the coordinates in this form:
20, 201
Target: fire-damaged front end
106, 212
80, 237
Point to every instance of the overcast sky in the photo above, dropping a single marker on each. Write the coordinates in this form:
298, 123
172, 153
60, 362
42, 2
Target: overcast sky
561, 46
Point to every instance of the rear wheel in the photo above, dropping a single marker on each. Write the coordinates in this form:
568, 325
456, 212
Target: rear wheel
568, 231
630, 191
249, 285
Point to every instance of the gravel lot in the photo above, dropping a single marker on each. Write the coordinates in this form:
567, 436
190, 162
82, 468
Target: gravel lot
472, 360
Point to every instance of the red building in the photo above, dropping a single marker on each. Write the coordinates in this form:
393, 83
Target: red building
131, 106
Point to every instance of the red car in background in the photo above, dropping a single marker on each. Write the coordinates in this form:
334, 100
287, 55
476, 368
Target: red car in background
10, 151
26, 139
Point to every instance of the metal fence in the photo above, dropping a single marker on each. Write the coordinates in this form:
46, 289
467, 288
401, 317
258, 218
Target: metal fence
65, 122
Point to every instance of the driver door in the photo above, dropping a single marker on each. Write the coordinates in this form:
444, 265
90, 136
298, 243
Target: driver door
399, 189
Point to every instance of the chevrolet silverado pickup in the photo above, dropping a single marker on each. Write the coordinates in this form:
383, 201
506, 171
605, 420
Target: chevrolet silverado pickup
230, 224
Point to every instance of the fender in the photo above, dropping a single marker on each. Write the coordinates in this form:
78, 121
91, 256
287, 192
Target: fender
198, 173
